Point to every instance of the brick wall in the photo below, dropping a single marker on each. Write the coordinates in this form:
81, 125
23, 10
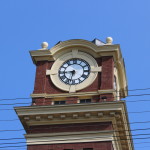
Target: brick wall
43, 83
96, 126
75, 146
107, 76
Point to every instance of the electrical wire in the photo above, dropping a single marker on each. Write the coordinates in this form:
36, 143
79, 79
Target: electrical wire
86, 126
129, 101
35, 142
126, 100
115, 91
147, 111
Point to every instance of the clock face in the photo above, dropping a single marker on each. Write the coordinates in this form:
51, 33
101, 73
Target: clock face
74, 71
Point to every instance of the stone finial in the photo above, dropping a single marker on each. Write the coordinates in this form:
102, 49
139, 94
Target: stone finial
44, 45
109, 40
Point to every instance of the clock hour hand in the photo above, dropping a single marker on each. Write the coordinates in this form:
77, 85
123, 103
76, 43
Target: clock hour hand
72, 72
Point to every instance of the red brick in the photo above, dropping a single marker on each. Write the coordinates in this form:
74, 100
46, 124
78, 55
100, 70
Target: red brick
107, 76
43, 83
106, 145
97, 126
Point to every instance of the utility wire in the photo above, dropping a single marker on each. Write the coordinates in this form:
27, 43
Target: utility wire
147, 111
107, 97
86, 126
126, 100
89, 126
115, 91
35, 142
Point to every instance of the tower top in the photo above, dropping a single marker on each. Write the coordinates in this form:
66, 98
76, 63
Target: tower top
96, 49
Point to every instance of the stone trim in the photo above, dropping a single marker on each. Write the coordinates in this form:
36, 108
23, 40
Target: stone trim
53, 73
44, 95
79, 113
69, 137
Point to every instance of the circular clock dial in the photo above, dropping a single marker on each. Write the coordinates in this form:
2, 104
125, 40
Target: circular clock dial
74, 71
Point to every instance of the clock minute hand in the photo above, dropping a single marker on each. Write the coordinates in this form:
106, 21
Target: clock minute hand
72, 74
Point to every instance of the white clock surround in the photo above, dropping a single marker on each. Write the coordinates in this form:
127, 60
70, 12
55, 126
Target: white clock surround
75, 53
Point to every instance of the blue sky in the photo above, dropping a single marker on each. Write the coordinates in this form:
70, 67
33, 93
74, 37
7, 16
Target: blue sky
25, 24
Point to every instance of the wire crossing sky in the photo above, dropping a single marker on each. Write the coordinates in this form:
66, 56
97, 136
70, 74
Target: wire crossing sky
25, 24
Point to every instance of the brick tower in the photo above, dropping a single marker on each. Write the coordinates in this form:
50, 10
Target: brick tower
76, 99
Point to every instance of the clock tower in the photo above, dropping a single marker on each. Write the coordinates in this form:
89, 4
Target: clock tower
76, 98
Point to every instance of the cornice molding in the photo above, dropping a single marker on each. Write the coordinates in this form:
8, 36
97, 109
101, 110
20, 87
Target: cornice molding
114, 112
79, 94
69, 137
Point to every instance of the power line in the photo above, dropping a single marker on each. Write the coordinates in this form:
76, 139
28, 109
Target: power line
35, 142
147, 111
14, 98
115, 91
88, 126
78, 138
127, 101
78, 103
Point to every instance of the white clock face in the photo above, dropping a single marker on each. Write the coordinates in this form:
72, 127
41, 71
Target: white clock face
74, 71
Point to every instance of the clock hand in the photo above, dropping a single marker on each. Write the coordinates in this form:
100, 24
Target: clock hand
72, 74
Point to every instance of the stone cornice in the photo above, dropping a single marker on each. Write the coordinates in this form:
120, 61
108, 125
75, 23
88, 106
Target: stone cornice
114, 112
71, 108
79, 94
69, 137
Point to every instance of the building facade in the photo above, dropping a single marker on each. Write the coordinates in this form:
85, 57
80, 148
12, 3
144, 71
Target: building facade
76, 98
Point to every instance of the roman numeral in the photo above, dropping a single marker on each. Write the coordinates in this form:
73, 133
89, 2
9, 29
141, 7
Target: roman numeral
86, 70
68, 62
67, 81
63, 77
84, 76
73, 82
74, 61
79, 80
61, 72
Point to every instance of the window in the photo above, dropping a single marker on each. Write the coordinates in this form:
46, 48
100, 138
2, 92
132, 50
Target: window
87, 148
85, 101
59, 102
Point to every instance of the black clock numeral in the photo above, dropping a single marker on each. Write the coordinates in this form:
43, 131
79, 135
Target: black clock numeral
84, 76
67, 81
86, 70
73, 82
69, 72
79, 80
61, 72
63, 77
74, 61
68, 62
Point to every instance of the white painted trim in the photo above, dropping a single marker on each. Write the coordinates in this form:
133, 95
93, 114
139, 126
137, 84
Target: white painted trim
69, 137
79, 94
72, 108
